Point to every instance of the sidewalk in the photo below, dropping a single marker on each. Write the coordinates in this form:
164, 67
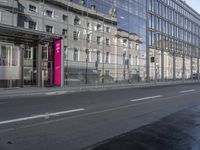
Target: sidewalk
35, 91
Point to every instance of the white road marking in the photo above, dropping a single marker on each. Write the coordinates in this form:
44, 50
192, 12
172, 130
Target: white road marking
145, 98
187, 91
46, 115
50, 93
56, 93
99, 112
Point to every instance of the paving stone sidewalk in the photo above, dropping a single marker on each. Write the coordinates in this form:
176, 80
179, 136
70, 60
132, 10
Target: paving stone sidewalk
37, 91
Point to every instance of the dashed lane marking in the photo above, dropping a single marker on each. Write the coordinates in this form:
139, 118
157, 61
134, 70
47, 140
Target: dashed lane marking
46, 115
146, 98
187, 91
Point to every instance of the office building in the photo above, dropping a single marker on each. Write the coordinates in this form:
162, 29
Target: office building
94, 42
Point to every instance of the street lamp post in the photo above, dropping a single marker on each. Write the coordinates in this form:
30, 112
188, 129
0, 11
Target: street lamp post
155, 68
86, 69
125, 61
128, 70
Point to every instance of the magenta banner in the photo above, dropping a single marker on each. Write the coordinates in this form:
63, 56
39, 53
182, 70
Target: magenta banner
57, 66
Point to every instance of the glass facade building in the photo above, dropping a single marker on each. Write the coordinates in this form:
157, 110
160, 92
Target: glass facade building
117, 49
173, 40
103, 41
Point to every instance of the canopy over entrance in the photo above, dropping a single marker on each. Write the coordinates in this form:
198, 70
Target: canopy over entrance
19, 35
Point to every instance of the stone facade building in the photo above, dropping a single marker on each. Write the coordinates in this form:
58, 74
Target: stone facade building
102, 42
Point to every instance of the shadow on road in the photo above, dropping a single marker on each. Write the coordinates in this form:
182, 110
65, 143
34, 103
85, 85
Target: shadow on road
179, 131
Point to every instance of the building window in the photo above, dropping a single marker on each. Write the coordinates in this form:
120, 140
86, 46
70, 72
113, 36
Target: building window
76, 35
44, 53
99, 27
64, 32
77, 20
107, 29
3, 56
130, 59
107, 73
49, 13
4, 53
32, 8
28, 52
98, 40
107, 57
89, 38
130, 45
65, 18
65, 53
124, 42
124, 58
107, 42
75, 54
98, 56
137, 60
137, 47
32, 25
49, 29
89, 25
15, 54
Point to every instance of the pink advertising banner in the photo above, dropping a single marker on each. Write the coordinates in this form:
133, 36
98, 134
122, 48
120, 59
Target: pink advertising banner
57, 66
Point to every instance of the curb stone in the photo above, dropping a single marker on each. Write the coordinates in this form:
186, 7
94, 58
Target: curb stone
61, 91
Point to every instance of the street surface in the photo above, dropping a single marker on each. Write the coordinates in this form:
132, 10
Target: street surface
153, 118
179, 131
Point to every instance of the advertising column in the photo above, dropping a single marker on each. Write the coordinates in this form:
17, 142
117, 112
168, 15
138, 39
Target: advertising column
57, 63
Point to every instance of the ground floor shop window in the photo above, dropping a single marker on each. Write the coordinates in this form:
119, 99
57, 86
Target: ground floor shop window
9, 55
10, 70
28, 52
3, 56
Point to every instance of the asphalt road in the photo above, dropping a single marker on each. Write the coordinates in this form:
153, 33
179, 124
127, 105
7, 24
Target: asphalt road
179, 131
88, 119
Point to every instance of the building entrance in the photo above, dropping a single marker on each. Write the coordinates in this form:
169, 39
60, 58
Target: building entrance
29, 66
47, 73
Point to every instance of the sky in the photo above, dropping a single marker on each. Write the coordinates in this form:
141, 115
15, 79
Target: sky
194, 4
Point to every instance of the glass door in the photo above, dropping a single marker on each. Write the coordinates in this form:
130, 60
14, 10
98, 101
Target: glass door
29, 64
47, 65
